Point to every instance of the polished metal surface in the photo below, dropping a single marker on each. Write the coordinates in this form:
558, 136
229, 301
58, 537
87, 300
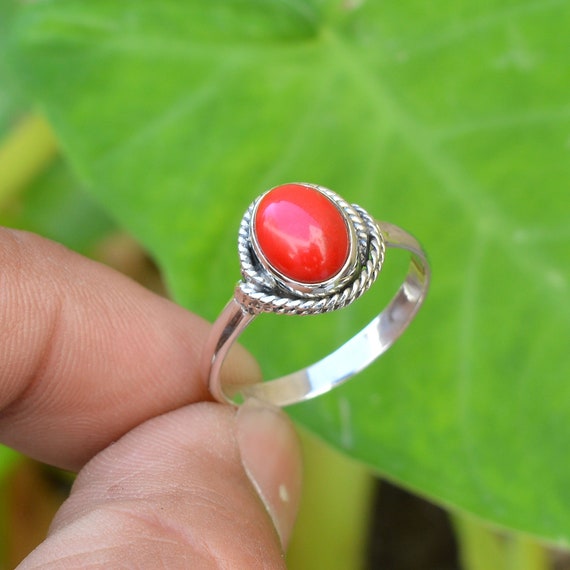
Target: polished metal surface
259, 292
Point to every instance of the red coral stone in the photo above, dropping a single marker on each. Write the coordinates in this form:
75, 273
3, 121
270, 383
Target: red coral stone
301, 233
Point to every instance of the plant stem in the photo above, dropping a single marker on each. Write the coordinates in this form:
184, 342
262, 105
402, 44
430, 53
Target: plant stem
332, 528
525, 553
482, 548
26, 151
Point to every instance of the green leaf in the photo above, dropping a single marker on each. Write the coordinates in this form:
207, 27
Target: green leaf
38, 193
56, 207
11, 97
450, 119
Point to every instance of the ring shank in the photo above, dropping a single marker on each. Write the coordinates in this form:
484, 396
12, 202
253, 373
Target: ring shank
353, 356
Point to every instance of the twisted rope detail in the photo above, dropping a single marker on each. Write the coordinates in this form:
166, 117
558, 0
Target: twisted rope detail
262, 292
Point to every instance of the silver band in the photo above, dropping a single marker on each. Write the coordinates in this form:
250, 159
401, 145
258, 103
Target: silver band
334, 369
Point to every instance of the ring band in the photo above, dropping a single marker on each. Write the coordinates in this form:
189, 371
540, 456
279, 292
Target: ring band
304, 250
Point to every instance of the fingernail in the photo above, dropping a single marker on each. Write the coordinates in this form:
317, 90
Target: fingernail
271, 457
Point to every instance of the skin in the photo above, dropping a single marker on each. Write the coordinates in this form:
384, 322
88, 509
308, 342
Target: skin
100, 376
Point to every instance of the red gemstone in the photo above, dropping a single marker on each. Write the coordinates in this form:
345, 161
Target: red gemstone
301, 233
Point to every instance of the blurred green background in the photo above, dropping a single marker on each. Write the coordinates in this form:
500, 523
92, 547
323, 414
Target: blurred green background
451, 119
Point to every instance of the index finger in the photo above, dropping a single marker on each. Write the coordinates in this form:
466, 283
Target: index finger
85, 353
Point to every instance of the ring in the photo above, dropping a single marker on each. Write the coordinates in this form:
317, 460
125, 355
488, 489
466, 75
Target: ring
303, 251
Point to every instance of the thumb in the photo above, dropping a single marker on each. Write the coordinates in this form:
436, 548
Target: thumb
202, 487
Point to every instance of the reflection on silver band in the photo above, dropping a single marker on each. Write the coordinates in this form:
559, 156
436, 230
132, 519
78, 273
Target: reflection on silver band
353, 356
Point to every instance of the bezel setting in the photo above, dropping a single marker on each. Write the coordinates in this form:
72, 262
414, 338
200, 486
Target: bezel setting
266, 289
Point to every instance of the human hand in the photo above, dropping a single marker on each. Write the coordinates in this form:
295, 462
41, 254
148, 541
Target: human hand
94, 370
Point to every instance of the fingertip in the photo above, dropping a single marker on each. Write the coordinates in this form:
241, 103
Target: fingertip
271, 456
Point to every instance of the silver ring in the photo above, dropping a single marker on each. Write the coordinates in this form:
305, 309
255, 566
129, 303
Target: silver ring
304, 250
